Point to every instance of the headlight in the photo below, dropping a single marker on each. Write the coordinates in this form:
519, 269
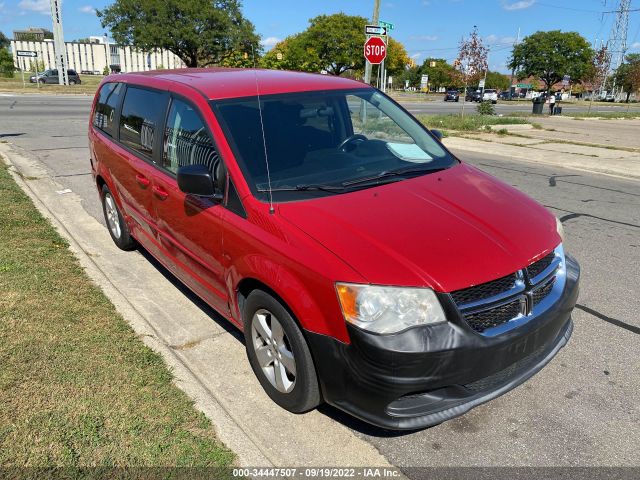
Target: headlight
560, 229
388, 309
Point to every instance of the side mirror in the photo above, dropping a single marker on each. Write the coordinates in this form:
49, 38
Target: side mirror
438, 134
196, 180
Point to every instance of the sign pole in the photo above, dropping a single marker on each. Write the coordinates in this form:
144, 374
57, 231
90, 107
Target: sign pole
367, 66
24, 85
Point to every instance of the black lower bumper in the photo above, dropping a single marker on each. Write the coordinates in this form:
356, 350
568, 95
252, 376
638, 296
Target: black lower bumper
426, 375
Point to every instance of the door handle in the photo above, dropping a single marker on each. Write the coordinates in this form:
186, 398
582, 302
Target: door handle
143, 181
160, 192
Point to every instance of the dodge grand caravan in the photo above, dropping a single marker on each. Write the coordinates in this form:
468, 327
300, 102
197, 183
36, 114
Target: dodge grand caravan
367, 266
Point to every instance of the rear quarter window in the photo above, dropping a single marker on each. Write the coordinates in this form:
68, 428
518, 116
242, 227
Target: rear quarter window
142, 111
106, 106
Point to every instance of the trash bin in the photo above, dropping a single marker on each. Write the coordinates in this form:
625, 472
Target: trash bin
538, 105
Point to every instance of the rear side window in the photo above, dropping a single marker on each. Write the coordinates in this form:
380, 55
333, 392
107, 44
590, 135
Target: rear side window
186, 141
141, 113
105, 112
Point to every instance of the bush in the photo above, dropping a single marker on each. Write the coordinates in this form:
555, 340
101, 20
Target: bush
486, 108
6, 63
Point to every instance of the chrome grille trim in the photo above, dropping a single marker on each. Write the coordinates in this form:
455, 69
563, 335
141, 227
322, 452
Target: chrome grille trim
536, 294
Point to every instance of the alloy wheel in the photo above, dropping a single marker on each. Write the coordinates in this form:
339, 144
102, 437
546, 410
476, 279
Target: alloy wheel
273, 350
113, 219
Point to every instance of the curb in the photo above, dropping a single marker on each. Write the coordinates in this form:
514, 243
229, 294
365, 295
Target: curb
208, 362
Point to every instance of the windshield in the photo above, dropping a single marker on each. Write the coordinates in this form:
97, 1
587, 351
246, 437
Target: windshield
327, 142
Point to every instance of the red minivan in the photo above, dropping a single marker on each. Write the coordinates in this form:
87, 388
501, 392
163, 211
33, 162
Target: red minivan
367, 266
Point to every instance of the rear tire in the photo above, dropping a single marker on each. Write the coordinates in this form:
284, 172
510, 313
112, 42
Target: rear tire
279, 354
116, 225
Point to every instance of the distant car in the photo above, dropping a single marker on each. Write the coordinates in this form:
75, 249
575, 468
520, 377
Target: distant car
505, 96
473, 96
452, 96
490, 95
51, 77
609, 97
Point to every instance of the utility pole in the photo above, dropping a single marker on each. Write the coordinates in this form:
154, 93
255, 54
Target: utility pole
374, 21
513, 70
617, 43
59, 48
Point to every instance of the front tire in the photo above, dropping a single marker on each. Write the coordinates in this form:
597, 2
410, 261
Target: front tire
116, 225
279, 354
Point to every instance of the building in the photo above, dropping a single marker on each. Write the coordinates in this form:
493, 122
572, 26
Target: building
95, 56
34, 34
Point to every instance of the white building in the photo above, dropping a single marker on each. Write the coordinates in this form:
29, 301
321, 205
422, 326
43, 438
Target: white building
94, 57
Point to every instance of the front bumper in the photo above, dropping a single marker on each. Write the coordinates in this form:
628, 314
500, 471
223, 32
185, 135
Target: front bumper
426, 375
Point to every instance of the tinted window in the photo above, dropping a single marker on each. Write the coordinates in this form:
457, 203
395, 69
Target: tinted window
186, 141
141, 112
105, 112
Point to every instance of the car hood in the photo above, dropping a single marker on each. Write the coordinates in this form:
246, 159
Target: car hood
446, 230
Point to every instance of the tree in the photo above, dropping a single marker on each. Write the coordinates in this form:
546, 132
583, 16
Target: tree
497, 81
292, 54
397, 57
441, 74
472, 60
4, 41
628, 74
412, 74
6, 63
337, 41
552, 55
200, 32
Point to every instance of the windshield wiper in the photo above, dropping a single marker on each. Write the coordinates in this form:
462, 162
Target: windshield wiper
305, 188
401, 172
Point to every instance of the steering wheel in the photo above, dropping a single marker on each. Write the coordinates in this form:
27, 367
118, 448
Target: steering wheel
348, 140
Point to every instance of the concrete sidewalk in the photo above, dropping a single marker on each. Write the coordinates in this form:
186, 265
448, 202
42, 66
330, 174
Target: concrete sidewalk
545, 151
206, 355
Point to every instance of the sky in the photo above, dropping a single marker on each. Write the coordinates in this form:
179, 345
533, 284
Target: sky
427, 28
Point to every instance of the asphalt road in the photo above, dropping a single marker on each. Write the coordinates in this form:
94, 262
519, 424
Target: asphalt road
583, 409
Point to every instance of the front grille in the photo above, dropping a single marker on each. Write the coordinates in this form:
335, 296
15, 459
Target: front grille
538, 267
484, 290
540, 294
494, 317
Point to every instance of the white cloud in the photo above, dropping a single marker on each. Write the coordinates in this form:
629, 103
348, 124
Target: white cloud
636, 46
416, 56
521, 5
87, 9
424, 38
426, 3
38, 6
270, 41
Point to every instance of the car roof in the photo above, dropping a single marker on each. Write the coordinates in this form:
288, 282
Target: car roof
221, 83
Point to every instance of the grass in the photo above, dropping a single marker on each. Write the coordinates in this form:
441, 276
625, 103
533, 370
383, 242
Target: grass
469, 122
77, 387
88, 86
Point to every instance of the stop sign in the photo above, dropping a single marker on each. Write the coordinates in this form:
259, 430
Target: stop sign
375, 50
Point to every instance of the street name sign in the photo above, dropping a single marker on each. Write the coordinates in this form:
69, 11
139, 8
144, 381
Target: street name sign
387, 25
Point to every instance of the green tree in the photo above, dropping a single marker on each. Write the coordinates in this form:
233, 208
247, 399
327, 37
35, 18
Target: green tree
6, 63
412, 74
4, 41
498, 81
397, 57
551, 55
441, 74
200, 32
337, 41
628, 74
292, 53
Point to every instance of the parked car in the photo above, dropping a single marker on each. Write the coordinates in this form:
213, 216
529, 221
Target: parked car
490, 95
473, 96
505, 96
368, 267
452, 96
51, 76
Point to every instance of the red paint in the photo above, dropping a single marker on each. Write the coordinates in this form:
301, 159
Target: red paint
375, 50
447, 231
